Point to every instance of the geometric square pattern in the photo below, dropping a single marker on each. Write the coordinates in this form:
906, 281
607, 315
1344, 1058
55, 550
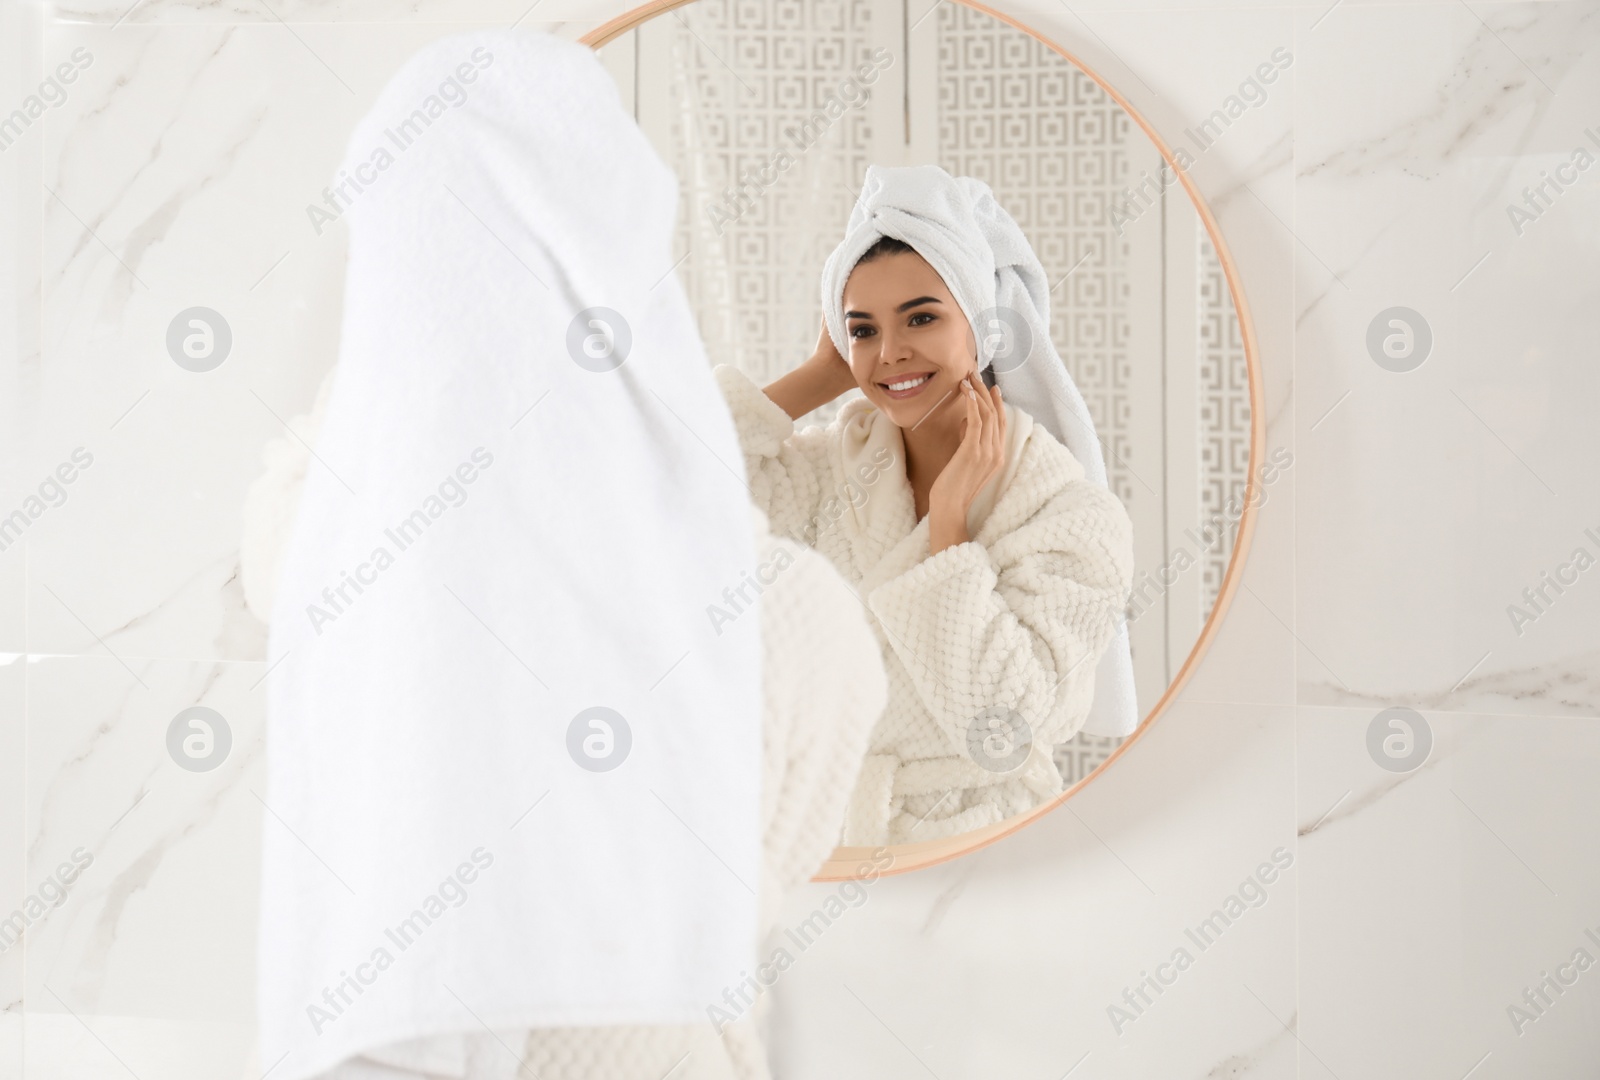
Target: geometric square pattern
1224, 406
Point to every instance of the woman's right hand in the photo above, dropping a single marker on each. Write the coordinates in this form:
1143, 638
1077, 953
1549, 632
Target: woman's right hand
814, 383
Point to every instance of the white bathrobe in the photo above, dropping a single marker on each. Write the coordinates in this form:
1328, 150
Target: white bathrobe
1016, 618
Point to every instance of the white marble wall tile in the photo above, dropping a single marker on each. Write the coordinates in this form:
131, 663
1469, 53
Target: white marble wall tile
1310, 11
19, 172
1430, 499
299, 13
156, 937
18, 166
1431, 900
13, 608
1005, 962
179, 172
13, 848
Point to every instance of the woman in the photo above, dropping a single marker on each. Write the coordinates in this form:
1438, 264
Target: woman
528, 808
996, 568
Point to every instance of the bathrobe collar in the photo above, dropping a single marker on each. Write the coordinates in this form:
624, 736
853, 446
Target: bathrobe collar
892, 540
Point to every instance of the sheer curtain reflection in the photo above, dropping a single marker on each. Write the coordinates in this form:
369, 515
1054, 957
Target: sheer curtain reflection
765, 187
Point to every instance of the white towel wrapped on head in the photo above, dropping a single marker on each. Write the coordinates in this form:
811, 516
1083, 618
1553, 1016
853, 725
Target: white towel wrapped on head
968, 238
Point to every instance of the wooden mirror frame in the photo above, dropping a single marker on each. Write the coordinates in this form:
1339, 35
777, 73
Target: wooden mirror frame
854, 862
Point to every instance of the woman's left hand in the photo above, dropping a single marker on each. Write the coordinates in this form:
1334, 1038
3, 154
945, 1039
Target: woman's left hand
979, 459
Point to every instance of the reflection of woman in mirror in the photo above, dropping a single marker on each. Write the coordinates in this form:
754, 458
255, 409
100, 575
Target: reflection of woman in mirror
994, 566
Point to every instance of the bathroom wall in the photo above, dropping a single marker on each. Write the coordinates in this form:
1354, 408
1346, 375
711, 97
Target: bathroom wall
1406, 912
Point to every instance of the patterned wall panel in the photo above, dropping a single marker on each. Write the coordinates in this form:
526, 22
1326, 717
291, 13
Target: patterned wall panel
1224, 398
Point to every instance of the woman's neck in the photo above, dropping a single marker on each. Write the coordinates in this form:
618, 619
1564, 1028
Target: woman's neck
929, 446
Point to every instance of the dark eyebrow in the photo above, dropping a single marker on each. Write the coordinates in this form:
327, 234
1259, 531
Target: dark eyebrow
903, 307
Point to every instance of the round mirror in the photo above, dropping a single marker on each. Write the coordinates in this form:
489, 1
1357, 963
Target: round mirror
770, 113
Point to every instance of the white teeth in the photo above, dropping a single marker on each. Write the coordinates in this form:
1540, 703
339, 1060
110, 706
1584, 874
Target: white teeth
909, 383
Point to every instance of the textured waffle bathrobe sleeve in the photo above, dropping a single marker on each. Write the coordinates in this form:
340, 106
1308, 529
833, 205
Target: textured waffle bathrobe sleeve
1020, 624
789, 471
823, 687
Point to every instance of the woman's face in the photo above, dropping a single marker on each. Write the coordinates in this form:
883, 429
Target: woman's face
910, 344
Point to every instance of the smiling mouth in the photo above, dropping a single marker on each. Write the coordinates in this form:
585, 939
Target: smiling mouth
908, 386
